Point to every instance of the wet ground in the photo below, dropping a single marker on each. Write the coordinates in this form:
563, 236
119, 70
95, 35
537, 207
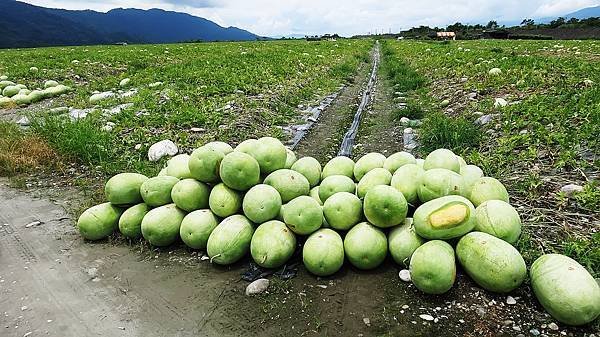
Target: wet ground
53, 283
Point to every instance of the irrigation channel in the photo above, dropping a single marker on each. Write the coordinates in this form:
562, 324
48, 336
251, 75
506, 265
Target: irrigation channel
350, 136
326, 132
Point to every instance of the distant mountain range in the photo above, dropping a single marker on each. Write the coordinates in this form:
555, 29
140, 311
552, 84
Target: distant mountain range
585, 13
25, 25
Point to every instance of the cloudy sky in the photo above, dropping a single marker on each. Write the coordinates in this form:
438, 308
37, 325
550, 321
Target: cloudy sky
347, 17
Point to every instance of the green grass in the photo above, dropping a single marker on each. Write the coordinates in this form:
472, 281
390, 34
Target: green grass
549, 135
261, 82
403, 77
413, 110
441, 131
586, 252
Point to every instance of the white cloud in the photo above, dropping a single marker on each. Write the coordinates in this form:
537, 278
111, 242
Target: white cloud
559, 7
276, 17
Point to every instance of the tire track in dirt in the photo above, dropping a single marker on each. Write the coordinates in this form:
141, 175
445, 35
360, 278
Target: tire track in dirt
43, 289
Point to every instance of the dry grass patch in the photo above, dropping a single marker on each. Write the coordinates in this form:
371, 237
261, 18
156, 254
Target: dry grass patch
21, 152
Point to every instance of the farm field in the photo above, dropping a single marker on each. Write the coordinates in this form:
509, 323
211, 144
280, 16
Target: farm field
543, 139
534, 126
188, 93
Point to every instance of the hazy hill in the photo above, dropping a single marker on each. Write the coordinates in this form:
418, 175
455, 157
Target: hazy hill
25, 25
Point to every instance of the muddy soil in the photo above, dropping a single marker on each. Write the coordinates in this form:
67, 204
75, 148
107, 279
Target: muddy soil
54, 283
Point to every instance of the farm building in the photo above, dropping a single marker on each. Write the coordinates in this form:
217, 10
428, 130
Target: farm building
446, 35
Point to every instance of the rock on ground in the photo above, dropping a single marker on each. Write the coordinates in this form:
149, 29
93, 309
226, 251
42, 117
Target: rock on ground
161, 149
404, 275
257, 287
571, 189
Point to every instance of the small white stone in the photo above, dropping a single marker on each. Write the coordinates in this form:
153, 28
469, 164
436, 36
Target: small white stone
404, 275
33, 224
24, 121
109, 126
257, 287
128, 93
137, 146
426, 317
483, 120
553, 326
571, 189
367, 321
588, 83
511, 300
161, 149
500, 103
75, 114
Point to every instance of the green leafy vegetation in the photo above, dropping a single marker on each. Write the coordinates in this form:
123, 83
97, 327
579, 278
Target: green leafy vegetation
224, 91
545, 137
441, 131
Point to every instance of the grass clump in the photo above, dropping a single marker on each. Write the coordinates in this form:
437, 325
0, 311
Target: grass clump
458, 134
81, 138
586, 252
412, 110
84, 141
22, 152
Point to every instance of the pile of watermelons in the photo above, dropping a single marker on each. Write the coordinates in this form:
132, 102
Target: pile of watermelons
259, 198
18, 94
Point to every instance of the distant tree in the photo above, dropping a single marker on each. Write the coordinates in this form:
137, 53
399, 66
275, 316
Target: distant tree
457, 27
573, 21
492, 25
557, 23
528, 22
591, 22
